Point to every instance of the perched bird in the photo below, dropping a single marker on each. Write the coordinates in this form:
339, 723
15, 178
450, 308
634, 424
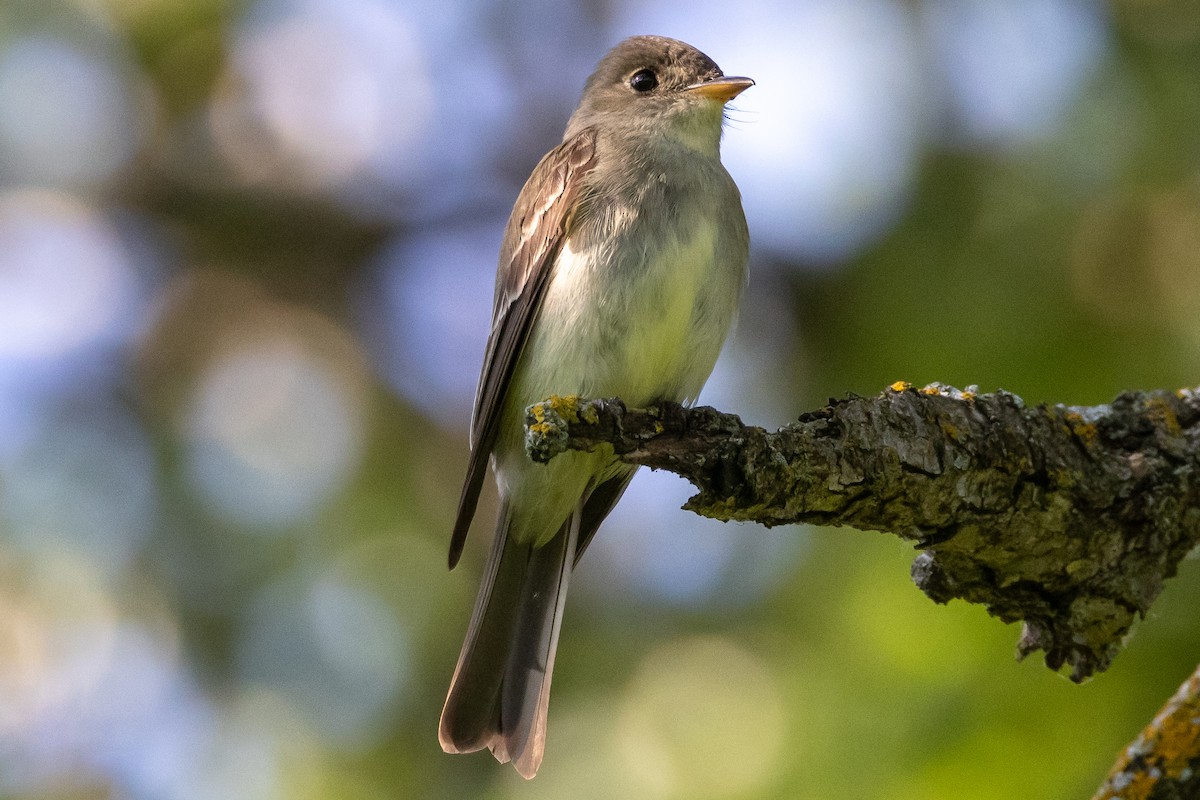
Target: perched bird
619, 275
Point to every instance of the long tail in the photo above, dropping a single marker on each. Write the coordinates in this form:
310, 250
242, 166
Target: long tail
501, 687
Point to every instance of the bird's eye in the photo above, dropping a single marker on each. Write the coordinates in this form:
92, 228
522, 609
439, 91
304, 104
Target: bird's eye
644, 80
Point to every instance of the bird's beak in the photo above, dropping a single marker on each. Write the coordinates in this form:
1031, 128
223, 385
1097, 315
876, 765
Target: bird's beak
722, 89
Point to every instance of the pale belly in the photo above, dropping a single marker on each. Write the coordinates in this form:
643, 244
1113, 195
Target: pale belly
653, 333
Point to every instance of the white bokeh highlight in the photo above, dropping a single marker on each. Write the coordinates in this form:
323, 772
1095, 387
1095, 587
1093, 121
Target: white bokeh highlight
1011, 71
272, 432
74, 290
66, 278
335, 86
70, 114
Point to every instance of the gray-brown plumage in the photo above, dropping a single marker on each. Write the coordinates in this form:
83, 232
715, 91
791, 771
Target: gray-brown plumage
619, 274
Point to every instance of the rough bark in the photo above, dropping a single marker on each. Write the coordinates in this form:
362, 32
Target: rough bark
1163, 763
1067, 519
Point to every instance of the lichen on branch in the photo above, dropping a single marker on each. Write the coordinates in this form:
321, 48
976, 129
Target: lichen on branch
1067, 519
1164, 760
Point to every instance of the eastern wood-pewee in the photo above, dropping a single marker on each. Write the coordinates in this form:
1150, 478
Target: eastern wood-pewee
619, 275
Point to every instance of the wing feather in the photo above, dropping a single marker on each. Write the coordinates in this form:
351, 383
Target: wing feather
535, 233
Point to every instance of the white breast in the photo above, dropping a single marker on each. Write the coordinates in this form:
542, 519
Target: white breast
642, 330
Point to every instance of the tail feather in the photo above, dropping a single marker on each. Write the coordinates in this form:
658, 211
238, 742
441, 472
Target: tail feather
527, 675
501, 687
468, 716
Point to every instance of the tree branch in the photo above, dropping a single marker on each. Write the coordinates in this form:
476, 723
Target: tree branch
1164, 761
1068, 519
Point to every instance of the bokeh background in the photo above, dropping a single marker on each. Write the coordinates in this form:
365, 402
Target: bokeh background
246, 262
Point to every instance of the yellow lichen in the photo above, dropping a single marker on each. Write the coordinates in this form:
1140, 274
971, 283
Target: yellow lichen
541, 428
589, 414
566, 406
1163, 751
1163, 415
900, 386
1084, 431
1139, 787
1178, 735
